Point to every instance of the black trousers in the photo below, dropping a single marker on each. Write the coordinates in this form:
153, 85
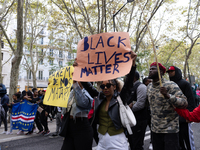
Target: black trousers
184, 139
136, 140
37, 121
80, 135
5, 121
95, 132
41, 119
165, 141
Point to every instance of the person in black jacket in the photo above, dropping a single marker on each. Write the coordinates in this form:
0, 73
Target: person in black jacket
106, 110
4, 102
186, 140
43, 118
137, 102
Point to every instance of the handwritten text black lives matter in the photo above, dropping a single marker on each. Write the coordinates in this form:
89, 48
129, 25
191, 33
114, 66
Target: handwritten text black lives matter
105, 65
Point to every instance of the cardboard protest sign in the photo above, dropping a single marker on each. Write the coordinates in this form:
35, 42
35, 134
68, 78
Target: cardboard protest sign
58, 90
103, 56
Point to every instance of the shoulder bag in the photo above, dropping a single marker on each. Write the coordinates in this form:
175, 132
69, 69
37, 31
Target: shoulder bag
126, 115
64, 124
66, 119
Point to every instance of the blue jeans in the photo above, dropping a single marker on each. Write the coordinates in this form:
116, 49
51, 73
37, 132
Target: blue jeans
11, 126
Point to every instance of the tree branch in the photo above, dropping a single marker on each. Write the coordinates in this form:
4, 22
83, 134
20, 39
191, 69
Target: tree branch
7, 11
4, 32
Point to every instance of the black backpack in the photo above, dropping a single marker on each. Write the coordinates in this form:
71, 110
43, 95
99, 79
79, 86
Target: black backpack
133, 93
2, 89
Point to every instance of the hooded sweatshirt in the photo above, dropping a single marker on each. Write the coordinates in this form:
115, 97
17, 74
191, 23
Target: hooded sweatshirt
185, 88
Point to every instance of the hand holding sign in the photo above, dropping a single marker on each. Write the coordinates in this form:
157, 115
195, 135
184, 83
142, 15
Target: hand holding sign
133, 56
103, 56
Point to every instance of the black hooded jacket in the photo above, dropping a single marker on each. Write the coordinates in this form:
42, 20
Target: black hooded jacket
185, 88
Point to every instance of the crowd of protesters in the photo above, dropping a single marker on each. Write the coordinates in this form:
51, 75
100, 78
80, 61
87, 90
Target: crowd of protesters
94, 114
41, 117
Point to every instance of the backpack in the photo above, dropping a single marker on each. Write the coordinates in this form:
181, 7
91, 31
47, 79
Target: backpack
2, 89
133, 91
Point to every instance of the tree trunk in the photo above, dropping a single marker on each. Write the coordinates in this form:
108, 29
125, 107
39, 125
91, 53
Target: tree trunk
18, 53
1, 59
34, 80
184, 69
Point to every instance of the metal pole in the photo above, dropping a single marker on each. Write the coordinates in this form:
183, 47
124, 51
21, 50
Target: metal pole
116, 14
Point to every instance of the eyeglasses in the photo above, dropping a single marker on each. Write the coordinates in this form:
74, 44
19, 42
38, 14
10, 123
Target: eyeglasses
108, 85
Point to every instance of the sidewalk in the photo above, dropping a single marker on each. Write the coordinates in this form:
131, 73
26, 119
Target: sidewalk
14, 136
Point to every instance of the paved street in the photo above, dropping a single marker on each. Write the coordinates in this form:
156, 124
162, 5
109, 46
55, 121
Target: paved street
38, 142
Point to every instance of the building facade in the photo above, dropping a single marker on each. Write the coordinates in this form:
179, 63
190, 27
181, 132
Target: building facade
48, 56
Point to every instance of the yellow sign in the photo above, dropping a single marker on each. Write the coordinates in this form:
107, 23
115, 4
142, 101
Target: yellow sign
59, 87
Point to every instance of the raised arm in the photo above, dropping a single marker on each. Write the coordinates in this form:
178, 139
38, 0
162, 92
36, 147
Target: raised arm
90, 88
82, 97
125, 92
190, 116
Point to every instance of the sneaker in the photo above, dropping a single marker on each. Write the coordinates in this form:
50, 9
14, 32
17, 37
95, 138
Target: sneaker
55, 134
4, 132
9, 133
45, 133
28, 133
20, 132
150, 146
40, 132
35, 130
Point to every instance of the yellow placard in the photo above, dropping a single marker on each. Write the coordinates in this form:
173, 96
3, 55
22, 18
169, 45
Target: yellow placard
59, 87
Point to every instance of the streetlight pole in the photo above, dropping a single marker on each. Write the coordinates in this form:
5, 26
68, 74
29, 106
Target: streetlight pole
128, 1
188, 64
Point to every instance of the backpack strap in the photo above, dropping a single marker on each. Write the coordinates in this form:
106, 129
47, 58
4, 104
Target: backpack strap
133, 94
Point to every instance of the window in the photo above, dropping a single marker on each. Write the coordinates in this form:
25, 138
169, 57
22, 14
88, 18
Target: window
42, 52
29, 59
69, 55
50, 52
29, 74
2, 56
50, 62
2, 44
41, 40
41, 61
51, 41
42, 32
28, 88
18, 88
50, 73
60, 63
40, 75
60, 54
